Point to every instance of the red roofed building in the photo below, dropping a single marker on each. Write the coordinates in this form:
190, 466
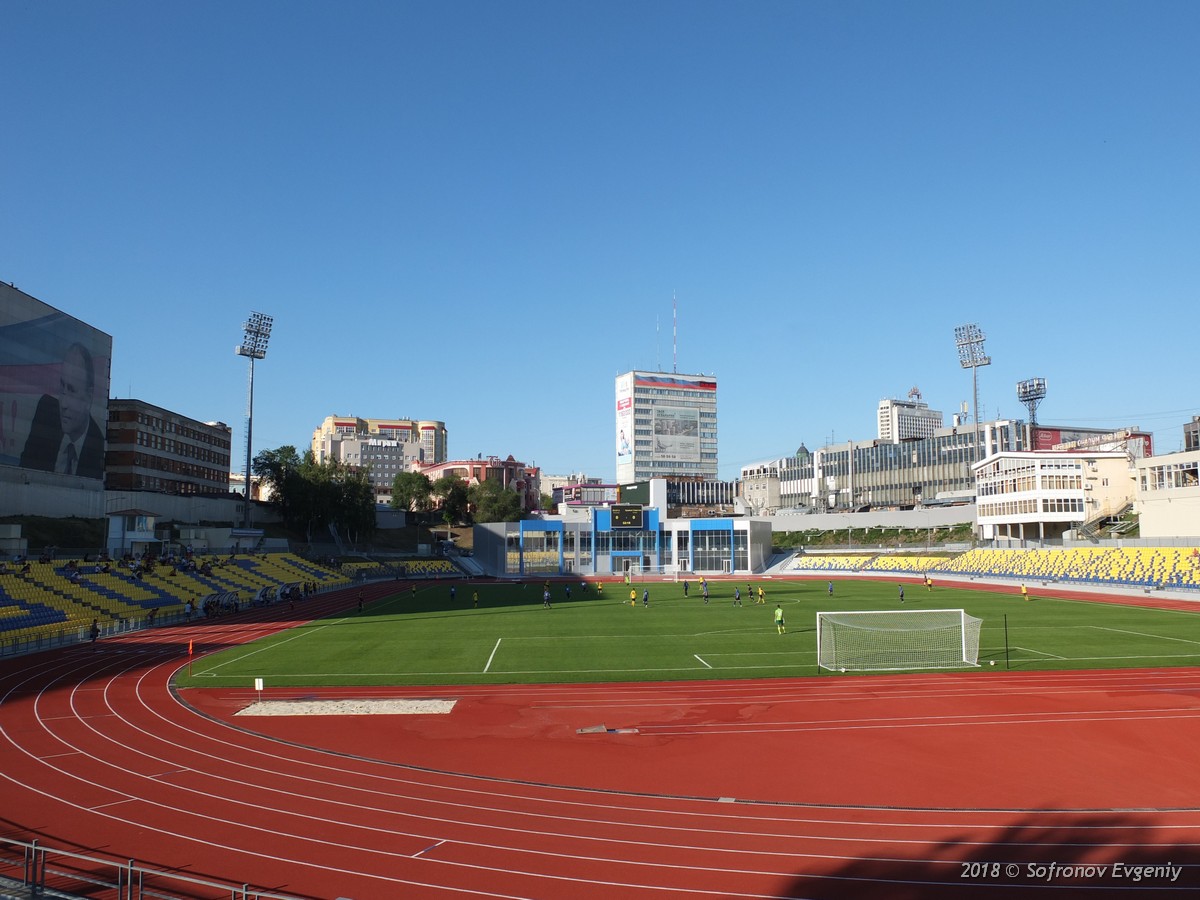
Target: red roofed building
512, 474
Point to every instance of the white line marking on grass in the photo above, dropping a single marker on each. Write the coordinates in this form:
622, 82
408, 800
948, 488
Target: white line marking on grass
296, 634
1161, 637
1040, 652
493, 656
751, 629
302, 679
633, 671
702, 662
654, 637
767, 653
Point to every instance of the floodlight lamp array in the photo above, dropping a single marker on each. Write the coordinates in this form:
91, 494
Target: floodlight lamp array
969, 339
1031, 390
257, 334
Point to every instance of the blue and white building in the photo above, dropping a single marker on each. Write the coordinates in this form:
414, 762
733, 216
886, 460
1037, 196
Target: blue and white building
622, 539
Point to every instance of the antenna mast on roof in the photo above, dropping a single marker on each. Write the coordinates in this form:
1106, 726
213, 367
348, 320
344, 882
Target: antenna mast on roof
674, 336
657, 346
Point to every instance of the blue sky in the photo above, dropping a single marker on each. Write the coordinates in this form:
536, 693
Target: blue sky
480, 212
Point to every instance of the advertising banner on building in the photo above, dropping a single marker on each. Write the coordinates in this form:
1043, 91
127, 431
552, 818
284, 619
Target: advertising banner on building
1138, 443
624, 418
54, 374
676, 434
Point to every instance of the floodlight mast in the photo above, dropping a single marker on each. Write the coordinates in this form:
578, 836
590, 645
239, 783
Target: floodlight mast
1031, 392
969, 339
257, 332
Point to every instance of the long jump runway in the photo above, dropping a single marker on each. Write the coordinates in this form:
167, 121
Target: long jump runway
984, 784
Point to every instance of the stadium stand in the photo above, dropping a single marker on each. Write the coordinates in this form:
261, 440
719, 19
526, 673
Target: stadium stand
413, 568
915, 565
1154, 568
430, 568
48, 603
830, 563
536, 561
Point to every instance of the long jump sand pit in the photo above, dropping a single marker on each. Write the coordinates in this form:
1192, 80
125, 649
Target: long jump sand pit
345, 707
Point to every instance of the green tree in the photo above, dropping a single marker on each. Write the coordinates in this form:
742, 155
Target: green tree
355, 510
492, 502
411, 491
312, 495
317, 495
452, 492
279, 469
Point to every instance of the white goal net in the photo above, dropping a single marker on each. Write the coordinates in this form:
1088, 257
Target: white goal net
891, 640
669, 572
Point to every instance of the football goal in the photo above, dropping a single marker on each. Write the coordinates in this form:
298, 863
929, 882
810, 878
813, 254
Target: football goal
669, 572
891, 640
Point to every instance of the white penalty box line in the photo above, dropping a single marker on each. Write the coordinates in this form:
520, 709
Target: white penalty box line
1144, 634
1161, 637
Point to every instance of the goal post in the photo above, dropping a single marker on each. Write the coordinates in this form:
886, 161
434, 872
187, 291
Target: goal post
894, 640
668, 572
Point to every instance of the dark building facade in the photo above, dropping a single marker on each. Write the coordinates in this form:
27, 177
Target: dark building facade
154, 449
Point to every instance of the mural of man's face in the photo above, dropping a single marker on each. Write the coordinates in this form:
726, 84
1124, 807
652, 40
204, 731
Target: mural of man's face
75, 395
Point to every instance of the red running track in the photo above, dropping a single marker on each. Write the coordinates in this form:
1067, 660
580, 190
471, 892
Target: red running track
983, 784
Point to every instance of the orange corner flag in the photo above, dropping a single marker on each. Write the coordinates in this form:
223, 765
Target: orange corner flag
189, 648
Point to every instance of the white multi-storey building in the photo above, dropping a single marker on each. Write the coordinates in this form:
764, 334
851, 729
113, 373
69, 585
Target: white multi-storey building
903, 420
1168, 494
429, 436
1042, 495
666, 426
918, 472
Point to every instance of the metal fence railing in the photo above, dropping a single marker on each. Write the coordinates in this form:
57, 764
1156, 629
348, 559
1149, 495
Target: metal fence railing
41, 870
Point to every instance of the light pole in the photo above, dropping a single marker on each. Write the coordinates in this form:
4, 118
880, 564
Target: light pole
1031, 392
969, 339
257, 332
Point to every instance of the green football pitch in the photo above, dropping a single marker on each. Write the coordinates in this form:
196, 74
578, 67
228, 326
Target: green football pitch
429, 638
